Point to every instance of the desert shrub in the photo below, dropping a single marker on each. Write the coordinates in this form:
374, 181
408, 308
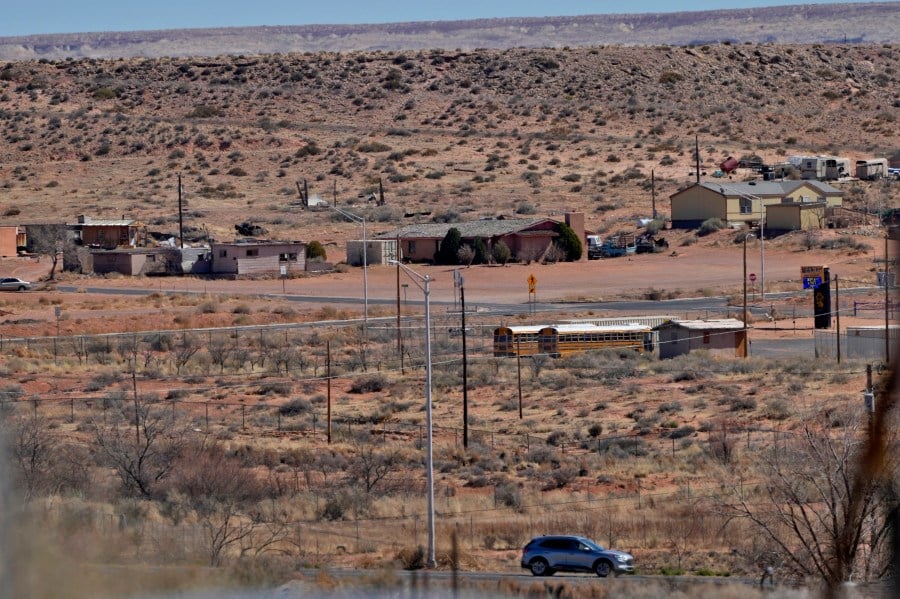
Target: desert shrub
501, 252
295, 407
204, 112
738, 404
509, 495
315, 251
373, 146
691, 240
525, 208
621, 447
682, 431
778, 409
655, 226
104, 93
709, 226
275, 388
411, 559
237, 172
369, 383
102, 381
208, 307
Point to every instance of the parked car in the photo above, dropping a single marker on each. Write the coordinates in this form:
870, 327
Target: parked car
567, 553
14, 284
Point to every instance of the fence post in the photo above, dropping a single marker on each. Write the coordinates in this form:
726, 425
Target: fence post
243, 418
207, 417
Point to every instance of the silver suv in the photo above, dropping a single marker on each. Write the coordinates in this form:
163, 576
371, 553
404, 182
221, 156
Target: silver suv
566, 553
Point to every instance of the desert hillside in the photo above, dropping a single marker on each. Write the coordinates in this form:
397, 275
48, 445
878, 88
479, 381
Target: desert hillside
449, 135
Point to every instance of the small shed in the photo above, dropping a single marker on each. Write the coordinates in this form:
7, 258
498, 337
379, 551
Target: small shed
725, 337
378, 251
804, 215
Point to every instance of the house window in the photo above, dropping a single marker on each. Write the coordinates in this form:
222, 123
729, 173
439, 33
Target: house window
746, 205
223, 253
288, 257
705, 337
252, 252
412, 247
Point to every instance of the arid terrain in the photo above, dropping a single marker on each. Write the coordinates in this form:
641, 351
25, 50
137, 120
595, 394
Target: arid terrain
174, 443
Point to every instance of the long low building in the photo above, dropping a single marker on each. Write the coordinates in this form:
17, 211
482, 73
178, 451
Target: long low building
527, 239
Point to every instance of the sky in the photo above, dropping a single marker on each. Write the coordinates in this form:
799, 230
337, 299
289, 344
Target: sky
26, 17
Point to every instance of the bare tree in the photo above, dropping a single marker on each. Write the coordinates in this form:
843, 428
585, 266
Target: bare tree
805, 504
49, 240
142, 446
184, 351
32, 447
224, 495
370, 467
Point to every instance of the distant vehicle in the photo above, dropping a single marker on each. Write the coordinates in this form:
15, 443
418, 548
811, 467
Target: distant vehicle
565, 339
618, 245
595, 247
566, 553
14, 284
871, 170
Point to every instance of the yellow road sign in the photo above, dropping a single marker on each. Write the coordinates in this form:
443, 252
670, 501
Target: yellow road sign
532, 283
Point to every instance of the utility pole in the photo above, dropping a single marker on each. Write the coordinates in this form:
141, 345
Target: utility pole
180, 215
697, 156
519, 374
653, 192
887, 304
462, 299
837, 314
328, 386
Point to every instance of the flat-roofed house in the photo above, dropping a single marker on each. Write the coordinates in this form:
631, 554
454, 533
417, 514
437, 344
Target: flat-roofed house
255, 257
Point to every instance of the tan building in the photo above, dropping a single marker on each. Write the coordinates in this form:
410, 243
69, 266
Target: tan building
745, 202
12, 237
796, 216
527, 239
725, 337
253, 257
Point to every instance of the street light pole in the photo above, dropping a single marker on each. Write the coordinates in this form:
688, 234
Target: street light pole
423, 281
746, 236
365, 252
762, 252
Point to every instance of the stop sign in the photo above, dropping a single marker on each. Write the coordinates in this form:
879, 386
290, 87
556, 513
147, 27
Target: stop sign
752, 276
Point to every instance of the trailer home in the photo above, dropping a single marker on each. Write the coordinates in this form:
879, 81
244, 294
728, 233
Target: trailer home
872, 169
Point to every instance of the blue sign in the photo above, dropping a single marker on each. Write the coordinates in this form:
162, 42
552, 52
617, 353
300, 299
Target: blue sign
811, 282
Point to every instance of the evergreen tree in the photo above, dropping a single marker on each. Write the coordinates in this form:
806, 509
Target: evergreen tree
448, 253
568, 242
482, 256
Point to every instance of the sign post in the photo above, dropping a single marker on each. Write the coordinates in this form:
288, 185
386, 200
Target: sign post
283, 276
532, 291
752, 278
817, 279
